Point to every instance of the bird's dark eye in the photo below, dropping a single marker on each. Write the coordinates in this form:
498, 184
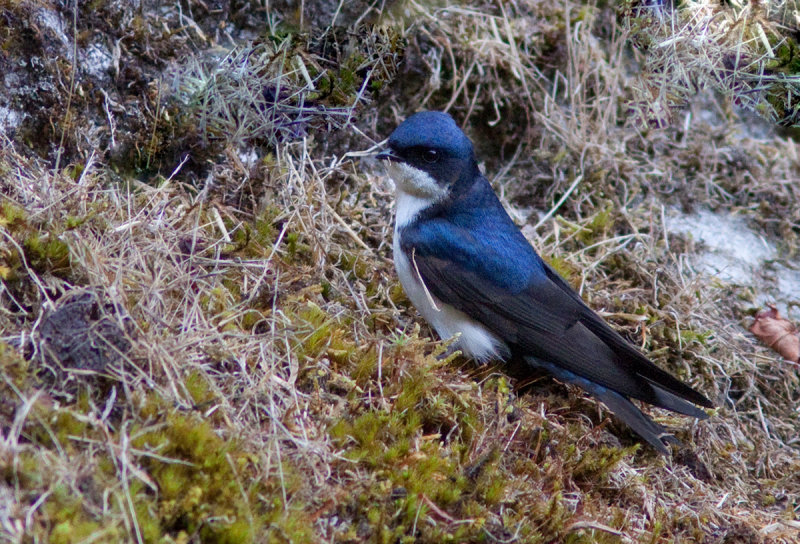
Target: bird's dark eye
430, 155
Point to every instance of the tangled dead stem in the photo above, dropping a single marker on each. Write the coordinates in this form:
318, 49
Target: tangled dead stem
203, 339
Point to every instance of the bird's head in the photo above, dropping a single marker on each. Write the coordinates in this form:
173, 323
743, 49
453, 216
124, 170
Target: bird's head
429, 155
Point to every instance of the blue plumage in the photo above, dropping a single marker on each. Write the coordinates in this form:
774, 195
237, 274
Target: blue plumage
468, 269
479, 236
432, 130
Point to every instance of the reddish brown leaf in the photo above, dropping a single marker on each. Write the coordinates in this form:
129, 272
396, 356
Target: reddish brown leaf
777, 332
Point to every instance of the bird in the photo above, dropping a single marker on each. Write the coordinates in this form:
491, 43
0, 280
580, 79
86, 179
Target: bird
469, 270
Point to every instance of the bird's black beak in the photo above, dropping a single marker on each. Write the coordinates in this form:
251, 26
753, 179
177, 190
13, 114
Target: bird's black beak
388, 155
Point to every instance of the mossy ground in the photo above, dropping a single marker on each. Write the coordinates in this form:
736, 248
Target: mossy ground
280, 387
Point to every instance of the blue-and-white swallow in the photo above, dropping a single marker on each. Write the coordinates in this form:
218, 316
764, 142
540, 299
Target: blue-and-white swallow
468, 269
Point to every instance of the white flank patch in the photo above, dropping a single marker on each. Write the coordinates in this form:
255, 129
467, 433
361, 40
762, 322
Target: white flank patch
476, 341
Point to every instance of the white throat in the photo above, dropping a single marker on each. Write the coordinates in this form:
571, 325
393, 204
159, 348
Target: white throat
416, 190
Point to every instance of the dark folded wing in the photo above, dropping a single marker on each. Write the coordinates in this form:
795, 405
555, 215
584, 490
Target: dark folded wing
546, 319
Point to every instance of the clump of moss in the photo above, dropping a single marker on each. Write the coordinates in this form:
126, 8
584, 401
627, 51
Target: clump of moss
415, 445
41, 245
356, 62
200, 477
189, 480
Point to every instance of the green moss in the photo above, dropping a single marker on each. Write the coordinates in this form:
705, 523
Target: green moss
353, 262
147, 516
15, 369
11, 215
251, 318
25, 473
68, 424
199, 389
207, 485
255, 240
200, 483
397, 295
70, 522
599, 226
317, 334
658, 527
233, 286
565, 269
401, 444
787, 57
47, 253
689, 336
150, 405
593, 465
265, 230
295, 247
